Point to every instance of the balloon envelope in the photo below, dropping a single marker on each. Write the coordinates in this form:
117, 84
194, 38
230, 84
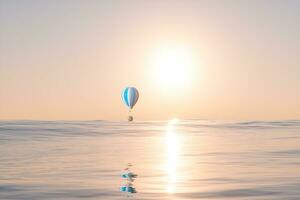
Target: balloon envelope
130, 96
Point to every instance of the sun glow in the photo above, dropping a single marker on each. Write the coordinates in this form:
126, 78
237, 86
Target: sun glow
172, 67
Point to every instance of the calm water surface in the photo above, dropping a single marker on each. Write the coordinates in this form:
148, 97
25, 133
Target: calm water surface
177, 159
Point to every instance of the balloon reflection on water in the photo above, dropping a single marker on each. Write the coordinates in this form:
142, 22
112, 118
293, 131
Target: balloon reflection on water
129, 177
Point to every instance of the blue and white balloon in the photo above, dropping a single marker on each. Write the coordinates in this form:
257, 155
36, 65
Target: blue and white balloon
130, 96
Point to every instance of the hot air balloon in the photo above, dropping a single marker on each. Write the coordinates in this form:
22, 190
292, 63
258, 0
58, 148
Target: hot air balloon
130, 96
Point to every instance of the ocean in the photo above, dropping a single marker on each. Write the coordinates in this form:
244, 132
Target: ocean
176, 159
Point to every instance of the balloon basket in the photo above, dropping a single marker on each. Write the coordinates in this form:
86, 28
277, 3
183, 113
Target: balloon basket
130, 118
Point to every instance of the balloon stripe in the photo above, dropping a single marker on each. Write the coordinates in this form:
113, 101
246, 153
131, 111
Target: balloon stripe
123, 94
132, 97
137, 96
126, 96
129, 96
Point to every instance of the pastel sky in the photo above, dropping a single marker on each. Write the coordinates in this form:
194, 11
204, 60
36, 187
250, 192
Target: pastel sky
70, 59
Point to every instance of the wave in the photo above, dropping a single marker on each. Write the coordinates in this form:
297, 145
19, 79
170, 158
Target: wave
100, 127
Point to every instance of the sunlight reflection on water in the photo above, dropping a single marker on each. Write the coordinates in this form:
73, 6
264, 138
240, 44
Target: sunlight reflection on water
173, 151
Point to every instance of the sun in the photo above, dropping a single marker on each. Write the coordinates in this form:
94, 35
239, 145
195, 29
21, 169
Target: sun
172, 67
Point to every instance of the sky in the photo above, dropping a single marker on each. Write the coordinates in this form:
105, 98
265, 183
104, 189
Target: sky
227, 60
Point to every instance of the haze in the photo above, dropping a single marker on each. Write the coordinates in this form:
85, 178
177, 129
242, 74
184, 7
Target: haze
71, 59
